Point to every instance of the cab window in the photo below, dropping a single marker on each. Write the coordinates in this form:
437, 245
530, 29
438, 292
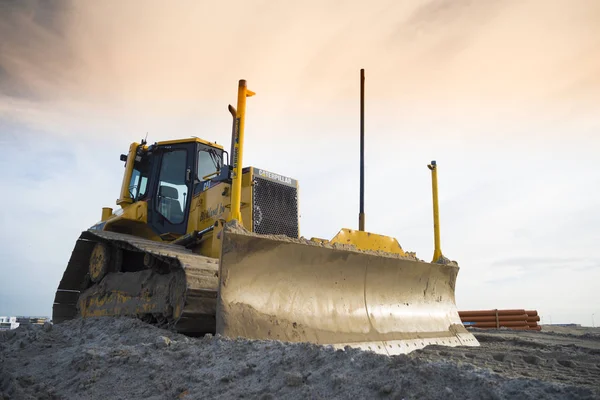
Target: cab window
209, 162
139, 179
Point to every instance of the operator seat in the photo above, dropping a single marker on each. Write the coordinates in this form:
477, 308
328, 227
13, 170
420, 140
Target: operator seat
168, 204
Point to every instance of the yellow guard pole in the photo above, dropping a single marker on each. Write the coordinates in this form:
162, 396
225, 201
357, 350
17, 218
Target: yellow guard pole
238, 147
125, 197
437, 252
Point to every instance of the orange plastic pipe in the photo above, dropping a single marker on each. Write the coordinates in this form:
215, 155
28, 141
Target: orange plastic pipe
535, 328
490, 312
492, 318
531, 313
506, 323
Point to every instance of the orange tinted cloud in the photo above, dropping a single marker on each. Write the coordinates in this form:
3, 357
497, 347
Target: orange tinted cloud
421, 56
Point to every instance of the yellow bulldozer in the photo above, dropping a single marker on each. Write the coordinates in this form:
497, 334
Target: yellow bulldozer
201, 245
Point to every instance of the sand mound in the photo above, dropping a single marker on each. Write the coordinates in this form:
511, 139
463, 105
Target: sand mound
107, 358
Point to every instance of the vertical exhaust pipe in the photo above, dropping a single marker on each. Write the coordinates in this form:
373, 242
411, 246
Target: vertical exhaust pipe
361, 215
233, 113
238, 150
437, 252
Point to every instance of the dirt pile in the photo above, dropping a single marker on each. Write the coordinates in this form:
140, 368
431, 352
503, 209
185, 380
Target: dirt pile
235, 227
106, 358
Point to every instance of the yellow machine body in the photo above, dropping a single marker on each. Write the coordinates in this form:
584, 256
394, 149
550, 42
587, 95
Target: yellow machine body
206, 210
200, 245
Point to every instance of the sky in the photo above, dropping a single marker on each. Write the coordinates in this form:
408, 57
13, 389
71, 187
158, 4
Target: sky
504, 95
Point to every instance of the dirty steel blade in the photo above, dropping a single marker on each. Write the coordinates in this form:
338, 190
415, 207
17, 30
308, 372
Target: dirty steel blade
296, 292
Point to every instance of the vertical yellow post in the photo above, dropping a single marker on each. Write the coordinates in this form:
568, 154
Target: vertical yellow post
238, 147
125, 197
437, 252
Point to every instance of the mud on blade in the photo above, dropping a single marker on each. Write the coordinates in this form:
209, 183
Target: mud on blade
302, 292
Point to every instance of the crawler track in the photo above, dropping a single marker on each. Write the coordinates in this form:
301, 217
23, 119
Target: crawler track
179, 291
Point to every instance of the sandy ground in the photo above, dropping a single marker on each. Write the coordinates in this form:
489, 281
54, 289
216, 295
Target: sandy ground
108, 358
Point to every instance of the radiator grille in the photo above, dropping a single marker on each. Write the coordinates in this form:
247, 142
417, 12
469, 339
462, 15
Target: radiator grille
275, 208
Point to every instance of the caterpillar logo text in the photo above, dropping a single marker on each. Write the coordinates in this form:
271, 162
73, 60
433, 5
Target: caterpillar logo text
276, 177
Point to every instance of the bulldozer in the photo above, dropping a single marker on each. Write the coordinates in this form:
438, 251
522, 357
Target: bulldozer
201, 244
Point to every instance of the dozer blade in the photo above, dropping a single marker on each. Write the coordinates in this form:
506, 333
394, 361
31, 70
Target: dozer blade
300, 291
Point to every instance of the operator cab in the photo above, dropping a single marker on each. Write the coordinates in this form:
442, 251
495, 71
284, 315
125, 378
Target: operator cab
168, 174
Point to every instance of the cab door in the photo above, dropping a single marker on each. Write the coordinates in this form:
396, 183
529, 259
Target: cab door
169, 207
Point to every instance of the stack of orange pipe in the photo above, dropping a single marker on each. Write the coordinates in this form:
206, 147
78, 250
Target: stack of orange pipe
490, 319
532, 320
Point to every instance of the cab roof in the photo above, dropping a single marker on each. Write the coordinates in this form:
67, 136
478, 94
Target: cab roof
191, 140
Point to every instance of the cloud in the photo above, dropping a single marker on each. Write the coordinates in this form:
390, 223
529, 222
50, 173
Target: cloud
419, 55
35, 56
536, 262
531, 268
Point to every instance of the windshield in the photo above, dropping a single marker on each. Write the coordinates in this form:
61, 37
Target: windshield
210, 161
139, 179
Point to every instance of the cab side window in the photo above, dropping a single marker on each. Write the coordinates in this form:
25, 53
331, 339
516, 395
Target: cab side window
209, 162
